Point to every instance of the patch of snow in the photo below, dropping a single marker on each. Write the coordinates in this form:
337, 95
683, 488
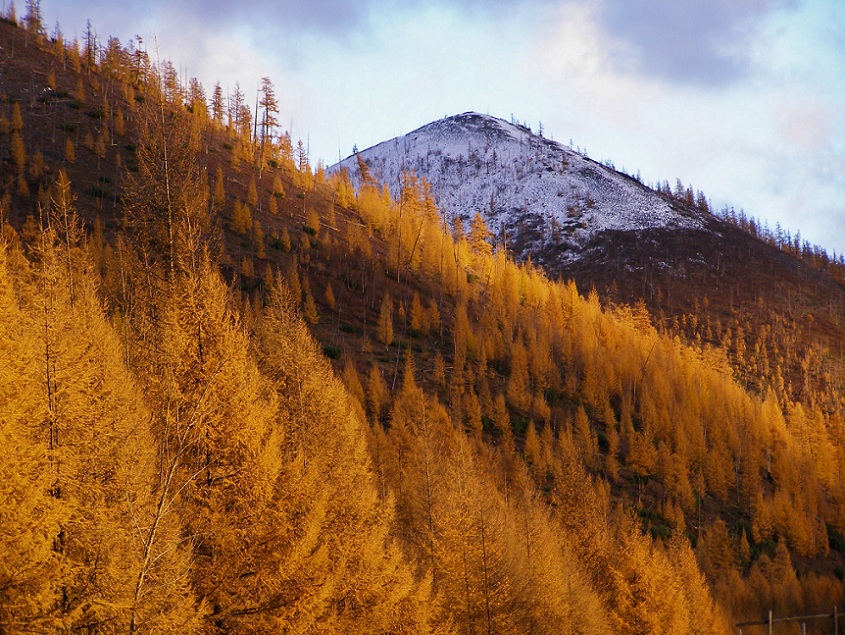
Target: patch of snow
519, 181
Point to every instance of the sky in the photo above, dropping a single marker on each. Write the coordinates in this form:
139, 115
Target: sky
743, 99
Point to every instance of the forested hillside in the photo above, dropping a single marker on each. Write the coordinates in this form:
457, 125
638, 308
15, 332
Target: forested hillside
240, 397
772, 302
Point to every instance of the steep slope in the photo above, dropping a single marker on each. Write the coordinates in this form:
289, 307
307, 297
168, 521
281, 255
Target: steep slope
485, 464
701, 277
539, 195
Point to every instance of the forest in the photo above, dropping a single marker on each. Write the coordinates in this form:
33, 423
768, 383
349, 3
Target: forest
242, 396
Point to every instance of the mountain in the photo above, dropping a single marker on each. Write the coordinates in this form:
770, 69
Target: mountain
540, 196
701, 276
241, 396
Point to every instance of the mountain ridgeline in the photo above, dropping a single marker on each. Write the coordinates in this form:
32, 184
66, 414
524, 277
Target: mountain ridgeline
771, 302
244, 394
540, 195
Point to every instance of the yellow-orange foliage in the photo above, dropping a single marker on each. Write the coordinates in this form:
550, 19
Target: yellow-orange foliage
235, 491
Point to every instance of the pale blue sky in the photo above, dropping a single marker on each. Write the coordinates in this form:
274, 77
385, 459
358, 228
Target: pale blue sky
744, 99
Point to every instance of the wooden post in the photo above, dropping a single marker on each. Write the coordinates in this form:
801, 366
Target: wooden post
770, 621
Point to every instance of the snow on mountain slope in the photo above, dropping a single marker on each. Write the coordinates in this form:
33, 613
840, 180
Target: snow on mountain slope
527, 187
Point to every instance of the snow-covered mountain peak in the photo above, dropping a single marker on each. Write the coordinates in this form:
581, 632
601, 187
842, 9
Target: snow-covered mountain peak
478, 124
534, 192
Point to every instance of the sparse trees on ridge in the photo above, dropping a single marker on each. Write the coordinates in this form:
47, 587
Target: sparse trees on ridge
269, 117
33, 19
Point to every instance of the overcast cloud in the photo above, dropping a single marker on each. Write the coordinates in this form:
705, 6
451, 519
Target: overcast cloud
706, 42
